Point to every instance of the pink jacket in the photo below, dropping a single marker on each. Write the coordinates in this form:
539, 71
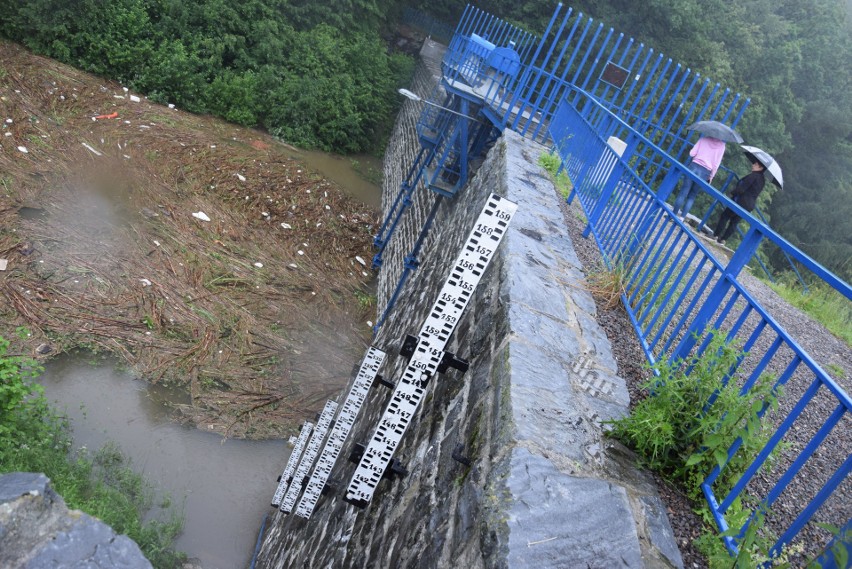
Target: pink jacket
708, 152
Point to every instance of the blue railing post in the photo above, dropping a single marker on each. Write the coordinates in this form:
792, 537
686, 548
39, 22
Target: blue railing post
612, 181
714, 299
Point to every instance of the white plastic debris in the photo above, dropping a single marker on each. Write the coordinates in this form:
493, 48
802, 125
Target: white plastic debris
3, 264
134, 98
241, 178
125, 89
157, 243
145, 282
23, 149
361, 260
286, 226
363, 273
200, 215
300, 252
328, 207
8, 134
92, 150
370, 323
259, 265
118, 97
264, 213
293, 266
9, 121
171, 105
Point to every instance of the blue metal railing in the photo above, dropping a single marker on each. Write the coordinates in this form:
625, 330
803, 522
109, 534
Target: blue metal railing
659, 98
678, 293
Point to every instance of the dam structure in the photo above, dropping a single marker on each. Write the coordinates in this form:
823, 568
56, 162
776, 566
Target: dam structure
472, 433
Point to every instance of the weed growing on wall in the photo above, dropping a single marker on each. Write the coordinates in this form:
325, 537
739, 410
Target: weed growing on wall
551, 163
694, 413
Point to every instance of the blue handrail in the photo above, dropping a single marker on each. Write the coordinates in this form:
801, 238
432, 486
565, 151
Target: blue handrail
678, 292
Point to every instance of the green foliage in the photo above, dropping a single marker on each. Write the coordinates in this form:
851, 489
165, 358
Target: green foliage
316, 74
688, 422
551, 162
19, 397
822, 303
34, 439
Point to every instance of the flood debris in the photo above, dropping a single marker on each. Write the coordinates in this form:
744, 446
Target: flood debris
258, 351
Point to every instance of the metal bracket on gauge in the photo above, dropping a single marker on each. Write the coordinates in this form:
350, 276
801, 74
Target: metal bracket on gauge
451, 361
408, 346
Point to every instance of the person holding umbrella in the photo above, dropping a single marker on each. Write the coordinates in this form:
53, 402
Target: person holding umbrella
706, 157
745, 195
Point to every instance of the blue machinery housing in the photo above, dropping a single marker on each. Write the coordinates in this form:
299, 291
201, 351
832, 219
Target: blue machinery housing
616, 113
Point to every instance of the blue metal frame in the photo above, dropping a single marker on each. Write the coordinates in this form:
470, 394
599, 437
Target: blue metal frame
678, 293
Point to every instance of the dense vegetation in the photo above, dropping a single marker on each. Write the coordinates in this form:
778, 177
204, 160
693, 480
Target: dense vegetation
34, 439
317, 74
791, 57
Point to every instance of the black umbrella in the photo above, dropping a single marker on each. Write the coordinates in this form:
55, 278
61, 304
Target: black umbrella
716, 129
755, 154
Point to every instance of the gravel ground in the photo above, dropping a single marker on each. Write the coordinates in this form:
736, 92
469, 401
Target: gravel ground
828, 351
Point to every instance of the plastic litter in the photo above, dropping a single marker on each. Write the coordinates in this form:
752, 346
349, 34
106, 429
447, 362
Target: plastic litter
200, 215
92, 150
23, 149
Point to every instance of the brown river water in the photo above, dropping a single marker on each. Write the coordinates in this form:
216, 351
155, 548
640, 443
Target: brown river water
223, 486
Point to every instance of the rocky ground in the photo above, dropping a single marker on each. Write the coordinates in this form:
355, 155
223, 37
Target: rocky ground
829, 351
197, 251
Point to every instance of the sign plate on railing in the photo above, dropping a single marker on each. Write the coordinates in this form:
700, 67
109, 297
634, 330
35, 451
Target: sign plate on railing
291, 463
465, 275
308, 459
348, 413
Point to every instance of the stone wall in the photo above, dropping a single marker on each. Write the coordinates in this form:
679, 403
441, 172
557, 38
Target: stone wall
399, 155
37, 530
508, 466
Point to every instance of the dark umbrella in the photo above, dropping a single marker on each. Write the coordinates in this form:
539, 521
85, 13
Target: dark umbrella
755, 154
715, 129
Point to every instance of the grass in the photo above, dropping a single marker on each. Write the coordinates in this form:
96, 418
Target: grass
551, 162
823, 304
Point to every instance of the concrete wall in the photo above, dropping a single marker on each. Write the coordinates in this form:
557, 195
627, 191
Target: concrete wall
543, 488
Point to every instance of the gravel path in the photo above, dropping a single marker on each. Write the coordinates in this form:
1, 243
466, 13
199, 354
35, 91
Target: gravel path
828, 351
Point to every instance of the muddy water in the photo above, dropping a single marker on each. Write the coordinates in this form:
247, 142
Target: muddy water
225, 487
349, 172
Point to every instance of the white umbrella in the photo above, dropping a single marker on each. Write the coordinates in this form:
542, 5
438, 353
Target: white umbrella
755, 154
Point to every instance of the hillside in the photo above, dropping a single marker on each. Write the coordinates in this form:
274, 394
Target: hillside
259, 311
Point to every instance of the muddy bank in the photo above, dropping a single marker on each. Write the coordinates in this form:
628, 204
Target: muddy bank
197, 252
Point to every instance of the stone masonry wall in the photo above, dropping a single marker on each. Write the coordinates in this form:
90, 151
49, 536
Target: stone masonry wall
543, 487
508, 466
399, 155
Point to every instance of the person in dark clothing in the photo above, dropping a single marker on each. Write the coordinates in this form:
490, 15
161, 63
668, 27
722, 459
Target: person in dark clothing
745, 194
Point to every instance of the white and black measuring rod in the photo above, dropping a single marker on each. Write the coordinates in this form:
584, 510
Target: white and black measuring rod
291, 463
308, 458
346, 418
465, 275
